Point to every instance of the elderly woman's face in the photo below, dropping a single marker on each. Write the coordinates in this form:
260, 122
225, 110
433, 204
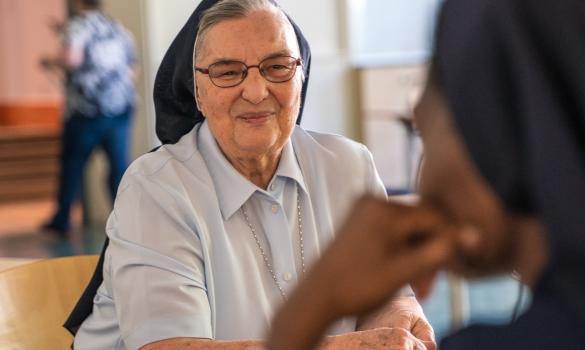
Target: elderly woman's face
256, 117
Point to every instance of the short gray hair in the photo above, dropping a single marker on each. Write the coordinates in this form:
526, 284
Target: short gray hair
224, 10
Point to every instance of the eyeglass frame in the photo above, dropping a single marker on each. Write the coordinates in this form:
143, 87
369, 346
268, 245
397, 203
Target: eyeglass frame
298, 62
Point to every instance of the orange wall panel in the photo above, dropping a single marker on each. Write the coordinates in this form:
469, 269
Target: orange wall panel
31, 114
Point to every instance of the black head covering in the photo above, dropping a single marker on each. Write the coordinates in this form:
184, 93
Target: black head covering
513, 73
174, 100
176, 115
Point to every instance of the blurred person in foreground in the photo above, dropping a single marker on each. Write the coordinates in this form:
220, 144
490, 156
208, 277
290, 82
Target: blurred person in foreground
98, 64
503, 184
211, 232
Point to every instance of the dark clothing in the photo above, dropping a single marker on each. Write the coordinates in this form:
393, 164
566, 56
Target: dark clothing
176, 112
176, 115
547, 325
512, 71
81, 135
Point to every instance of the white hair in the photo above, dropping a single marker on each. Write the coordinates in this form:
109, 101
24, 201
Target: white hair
226, 10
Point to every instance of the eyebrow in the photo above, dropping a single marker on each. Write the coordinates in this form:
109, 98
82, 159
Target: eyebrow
270, 55
279, 53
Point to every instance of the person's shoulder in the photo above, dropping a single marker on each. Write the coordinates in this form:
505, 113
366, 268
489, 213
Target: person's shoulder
327, 142
76, 25
168, 158
331, 154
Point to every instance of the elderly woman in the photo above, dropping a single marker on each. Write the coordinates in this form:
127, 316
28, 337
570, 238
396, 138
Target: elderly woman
210, 234
503, 123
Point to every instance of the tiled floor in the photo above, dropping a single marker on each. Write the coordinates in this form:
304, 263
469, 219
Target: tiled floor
20, 236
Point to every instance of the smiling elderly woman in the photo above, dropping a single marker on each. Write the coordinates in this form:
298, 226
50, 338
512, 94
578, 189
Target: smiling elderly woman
209, 235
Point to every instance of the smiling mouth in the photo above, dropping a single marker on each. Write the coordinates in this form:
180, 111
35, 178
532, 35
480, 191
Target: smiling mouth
255, 117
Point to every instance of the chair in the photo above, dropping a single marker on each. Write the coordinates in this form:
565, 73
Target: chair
35, 300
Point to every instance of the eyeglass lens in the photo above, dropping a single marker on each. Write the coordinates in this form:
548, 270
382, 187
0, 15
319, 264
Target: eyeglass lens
230, 73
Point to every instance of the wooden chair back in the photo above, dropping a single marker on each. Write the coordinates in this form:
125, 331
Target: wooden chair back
36, 299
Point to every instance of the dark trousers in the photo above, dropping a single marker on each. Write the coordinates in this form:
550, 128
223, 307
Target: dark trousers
81, 135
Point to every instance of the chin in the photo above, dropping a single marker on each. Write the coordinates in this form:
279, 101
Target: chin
256, 147
260, 141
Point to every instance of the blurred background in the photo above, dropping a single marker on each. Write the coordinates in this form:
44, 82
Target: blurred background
369, 62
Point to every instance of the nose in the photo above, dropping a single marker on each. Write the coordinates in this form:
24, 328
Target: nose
254, 87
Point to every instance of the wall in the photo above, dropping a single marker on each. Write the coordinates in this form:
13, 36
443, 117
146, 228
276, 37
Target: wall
28, 95
332, 100
24, 38
391, 32
161, 24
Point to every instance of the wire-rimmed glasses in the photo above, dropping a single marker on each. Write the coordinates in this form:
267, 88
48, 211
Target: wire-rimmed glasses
225, 74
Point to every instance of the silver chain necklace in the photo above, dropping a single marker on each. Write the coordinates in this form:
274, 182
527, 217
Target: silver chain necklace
263, 253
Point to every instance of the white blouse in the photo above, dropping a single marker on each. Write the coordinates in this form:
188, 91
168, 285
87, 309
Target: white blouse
182, 259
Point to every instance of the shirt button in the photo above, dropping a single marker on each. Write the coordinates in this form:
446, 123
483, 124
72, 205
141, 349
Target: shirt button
274, 208
272, 187
287, 276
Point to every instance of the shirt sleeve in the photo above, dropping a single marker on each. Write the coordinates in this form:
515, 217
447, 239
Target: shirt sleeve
374, 184
156, 264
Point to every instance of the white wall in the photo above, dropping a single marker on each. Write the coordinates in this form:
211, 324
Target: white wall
25, 38
391, 32
332, 100
161, 24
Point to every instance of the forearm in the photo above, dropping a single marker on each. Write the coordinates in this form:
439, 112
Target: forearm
54, 63
300, 323
350, 341
67, 60
295, 330
204, 344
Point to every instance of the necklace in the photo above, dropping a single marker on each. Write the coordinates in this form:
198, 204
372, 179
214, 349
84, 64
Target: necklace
262, 251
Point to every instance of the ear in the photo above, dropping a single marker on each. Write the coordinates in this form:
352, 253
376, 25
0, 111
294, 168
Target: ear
196, 90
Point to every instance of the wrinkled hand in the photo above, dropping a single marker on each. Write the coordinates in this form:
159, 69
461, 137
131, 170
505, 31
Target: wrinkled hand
406, 313
379, 338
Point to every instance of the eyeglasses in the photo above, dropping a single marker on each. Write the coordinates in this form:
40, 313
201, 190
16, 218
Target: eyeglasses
225, 74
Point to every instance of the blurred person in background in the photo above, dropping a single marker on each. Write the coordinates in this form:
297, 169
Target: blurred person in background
98, 63
503, 184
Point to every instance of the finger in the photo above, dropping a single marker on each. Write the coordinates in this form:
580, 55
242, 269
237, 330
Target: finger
389, 211
423, 331
469, 239
430, 345
424, 285
419, 345
409, 265
394, 222
408, 218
